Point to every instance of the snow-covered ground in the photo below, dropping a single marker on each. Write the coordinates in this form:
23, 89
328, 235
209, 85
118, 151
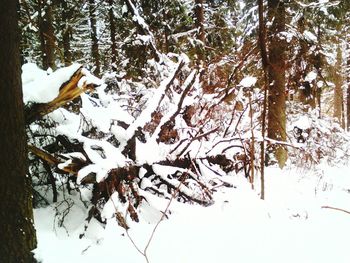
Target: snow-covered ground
296, 222
289, 226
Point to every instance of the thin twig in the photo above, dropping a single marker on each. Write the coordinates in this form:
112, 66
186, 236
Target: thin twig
252, 149
335, 208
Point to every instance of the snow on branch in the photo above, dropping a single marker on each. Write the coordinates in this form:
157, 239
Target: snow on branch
144, 29
152, 105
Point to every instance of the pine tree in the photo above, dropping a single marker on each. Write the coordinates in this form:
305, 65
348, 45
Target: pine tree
199, 25
66, 30
338, 83
277, 98
16, 213
47, 34
94, 39
113, 32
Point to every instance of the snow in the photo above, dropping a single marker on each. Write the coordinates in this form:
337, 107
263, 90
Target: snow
69, 123
150, 152
303, 122
144, 39
248, 82
30, 72
289, 226
41, 88
310, 36
153, 103
88, 78
104, 157
311, 76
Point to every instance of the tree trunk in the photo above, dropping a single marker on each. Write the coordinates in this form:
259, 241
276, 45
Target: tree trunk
265, 64
66, 33
16, 212
166, 27
48, 38
348, 91
199, 23
113, 33
338, 91
277, 98
41, 36
306, 90
94, 48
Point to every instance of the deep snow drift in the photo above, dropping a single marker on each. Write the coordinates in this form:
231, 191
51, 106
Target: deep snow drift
289, 226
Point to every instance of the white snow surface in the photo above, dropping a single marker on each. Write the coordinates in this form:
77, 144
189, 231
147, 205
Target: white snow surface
311, 76
303, 122
248, 82
289, 226
310, 36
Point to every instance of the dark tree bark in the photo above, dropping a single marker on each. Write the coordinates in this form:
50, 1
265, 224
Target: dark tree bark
199, 24
306, 94
338, 92
42, 36
66, 32
348, 91
16, 212
113, 33
277, 98
94, 48
265, 64
50, 37
47, 35
166, 27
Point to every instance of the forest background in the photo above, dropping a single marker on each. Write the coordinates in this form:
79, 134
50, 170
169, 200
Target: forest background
178, 96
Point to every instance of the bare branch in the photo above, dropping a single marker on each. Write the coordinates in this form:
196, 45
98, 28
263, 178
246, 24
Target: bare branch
335, 208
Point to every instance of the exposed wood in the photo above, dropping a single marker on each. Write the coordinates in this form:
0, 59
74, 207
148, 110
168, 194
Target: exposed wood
68, 92
43, 155
73, 168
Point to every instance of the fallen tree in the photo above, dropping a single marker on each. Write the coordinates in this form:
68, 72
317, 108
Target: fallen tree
171, 140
